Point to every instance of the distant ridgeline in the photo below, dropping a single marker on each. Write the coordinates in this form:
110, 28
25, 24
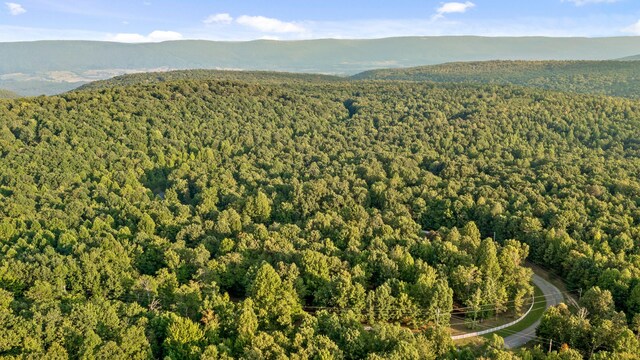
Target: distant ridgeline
616, 78
631, 58
220, 75
6, 94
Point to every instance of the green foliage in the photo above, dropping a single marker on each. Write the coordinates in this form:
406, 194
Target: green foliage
616, 78
276, 301
208, 75
183, 339
231, 219
146, 224
258, 208
592, 335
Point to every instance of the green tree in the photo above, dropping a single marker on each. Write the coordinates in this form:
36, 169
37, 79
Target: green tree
247, 323
146, 224
276, 302
599, 304
259, 207
184, 339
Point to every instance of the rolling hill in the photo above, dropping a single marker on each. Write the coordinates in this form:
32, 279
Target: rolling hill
63, 65
6, 94
220, 75
616, 78
631, 58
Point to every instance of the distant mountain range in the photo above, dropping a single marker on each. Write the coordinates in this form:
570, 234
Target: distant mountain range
47, 67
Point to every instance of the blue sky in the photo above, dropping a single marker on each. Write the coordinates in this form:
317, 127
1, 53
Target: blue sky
160, 20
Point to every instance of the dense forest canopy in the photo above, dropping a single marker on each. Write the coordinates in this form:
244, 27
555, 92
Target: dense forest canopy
262, 77
616, 78
256, 219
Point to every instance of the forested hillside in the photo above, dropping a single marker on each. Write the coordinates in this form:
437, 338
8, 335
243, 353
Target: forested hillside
616, 78
213, 219
262, 77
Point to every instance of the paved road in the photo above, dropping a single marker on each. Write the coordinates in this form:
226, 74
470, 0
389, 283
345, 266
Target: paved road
553, 296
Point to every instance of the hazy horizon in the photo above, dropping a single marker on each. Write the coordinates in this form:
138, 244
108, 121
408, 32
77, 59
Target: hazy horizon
157, 21
329, 38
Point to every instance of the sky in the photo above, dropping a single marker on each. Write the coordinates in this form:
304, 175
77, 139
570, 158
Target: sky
241, 20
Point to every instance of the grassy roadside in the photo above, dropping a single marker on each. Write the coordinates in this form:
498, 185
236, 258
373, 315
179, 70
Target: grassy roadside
458, 322
532, 317
536, 312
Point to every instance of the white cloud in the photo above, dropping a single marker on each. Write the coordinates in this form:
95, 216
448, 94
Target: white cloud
269, 25
15, 9
585, 26
453, 7
585, 2
270, 37
593, 25
155, 36
633, 29
222, 18
159, 35
127, 38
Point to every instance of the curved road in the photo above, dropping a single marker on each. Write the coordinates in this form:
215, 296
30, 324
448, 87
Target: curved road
553, 296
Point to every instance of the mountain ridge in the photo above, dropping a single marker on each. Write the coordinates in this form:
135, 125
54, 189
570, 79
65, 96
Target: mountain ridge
6, 94
630, 58
615, 78
63, 65
203, 74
